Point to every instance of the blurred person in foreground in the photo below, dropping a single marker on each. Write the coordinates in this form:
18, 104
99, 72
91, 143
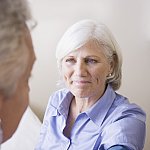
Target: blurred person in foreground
16, 60
89, 114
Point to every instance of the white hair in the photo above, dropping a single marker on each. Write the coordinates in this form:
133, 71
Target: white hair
88, 30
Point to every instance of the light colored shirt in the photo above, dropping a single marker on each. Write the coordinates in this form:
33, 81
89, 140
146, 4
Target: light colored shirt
112, 120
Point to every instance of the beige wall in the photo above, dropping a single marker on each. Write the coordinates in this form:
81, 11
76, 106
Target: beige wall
128, 20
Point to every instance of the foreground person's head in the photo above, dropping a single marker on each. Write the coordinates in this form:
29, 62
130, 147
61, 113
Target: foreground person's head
16, 60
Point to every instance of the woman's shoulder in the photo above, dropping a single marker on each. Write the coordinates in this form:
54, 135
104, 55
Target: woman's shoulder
127, 109
60, 93
133, 110
57, 97
125, 122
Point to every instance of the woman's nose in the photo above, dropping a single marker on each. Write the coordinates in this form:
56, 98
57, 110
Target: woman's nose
80, 69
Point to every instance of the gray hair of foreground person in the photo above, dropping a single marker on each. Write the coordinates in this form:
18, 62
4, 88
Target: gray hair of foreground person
86, 31
13, 55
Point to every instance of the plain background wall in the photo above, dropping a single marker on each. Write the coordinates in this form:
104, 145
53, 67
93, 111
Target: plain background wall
128, 20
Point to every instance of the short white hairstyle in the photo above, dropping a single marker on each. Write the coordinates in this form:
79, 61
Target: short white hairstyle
85, 31
13, 53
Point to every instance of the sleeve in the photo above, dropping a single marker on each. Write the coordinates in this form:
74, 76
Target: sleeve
128, 129
118, 147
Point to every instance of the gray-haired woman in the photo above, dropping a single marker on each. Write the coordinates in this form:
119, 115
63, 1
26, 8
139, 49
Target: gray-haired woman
88, 114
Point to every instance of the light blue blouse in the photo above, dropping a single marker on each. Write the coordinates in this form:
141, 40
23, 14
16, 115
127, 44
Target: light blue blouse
112, 120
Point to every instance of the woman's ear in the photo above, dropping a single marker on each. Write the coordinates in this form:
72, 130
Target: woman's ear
111, 67
113, 62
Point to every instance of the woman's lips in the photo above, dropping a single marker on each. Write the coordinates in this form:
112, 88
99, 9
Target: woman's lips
81, 82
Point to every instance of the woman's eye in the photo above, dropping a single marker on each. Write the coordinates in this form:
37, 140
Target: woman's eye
90, 61
70, 60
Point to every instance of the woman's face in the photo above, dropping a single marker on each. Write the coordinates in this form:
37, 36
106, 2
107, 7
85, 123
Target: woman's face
85, 70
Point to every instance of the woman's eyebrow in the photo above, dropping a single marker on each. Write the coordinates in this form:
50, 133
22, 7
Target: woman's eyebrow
92, 56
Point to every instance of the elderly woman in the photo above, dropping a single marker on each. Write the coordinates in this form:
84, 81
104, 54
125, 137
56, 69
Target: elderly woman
16, 60
88, 114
